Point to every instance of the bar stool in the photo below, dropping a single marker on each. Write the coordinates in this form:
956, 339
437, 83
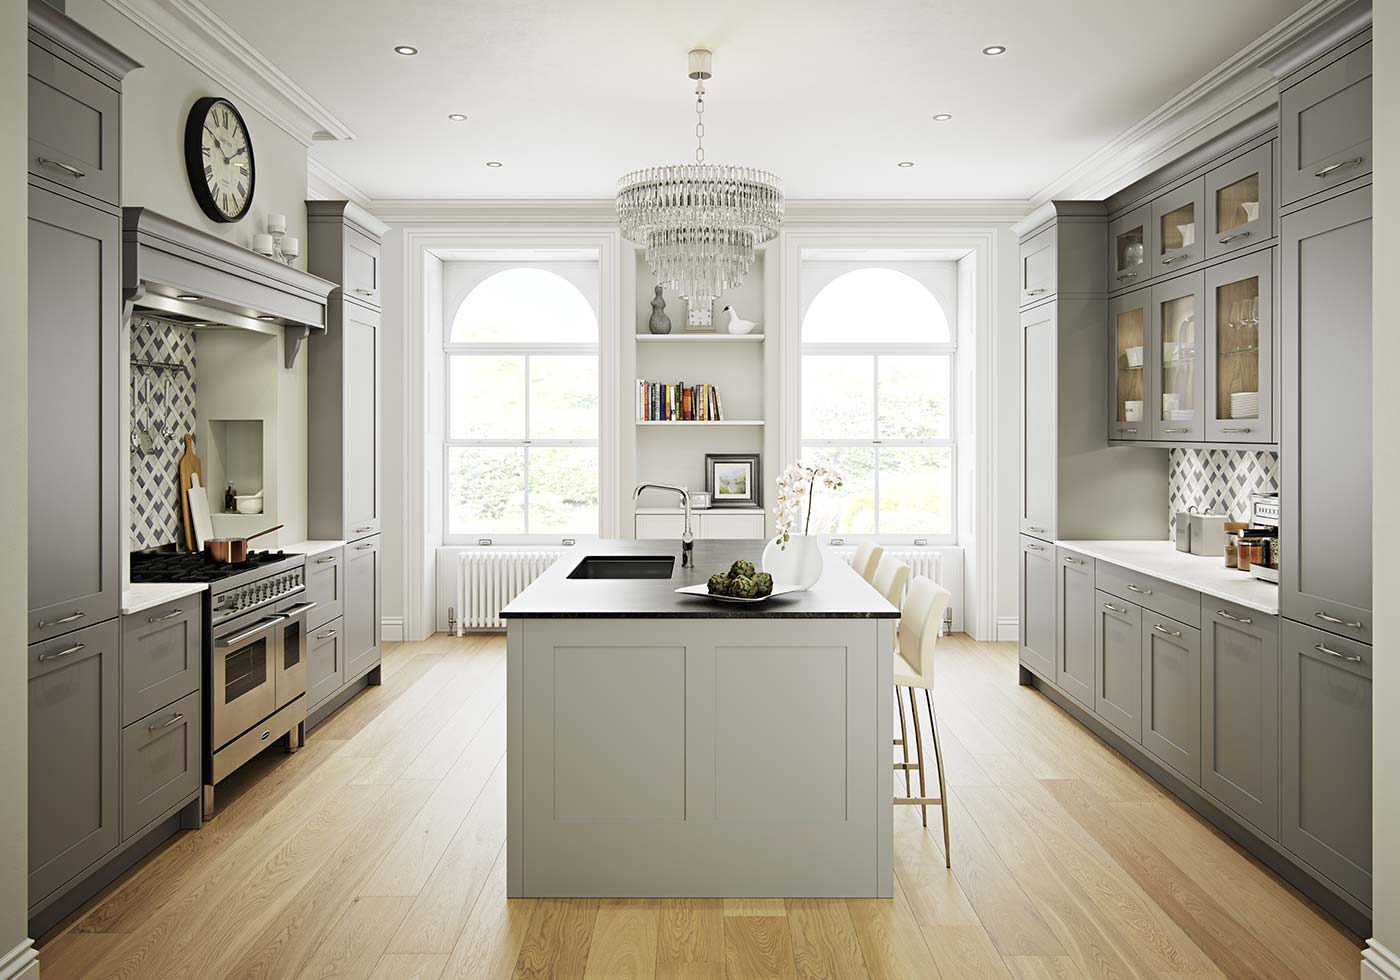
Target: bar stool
891, 574
866, 559
921, 617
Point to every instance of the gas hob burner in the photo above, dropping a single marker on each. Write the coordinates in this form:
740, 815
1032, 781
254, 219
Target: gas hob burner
176, 566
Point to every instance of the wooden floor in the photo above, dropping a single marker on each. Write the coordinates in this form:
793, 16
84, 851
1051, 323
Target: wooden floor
377, 853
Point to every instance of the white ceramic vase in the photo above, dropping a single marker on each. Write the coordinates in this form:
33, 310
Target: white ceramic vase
798, 563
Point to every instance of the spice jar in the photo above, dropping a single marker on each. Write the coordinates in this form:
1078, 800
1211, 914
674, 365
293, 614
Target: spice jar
1232, 542
1251, 552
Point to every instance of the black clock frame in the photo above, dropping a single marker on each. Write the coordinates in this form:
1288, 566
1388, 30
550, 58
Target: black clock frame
194, 159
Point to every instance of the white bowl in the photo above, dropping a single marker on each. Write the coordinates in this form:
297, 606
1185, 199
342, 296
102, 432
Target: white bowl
248, 505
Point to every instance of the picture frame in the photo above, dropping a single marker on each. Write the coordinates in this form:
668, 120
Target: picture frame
734, 479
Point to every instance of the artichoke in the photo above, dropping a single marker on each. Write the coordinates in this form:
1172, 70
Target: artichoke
762, 585
740, 569
742, 588
719, 584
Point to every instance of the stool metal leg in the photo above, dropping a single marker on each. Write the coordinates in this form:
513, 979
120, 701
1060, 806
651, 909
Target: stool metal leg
942, 787
903, 741
919, 747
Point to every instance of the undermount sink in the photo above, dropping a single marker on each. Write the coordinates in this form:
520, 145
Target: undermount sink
624, 566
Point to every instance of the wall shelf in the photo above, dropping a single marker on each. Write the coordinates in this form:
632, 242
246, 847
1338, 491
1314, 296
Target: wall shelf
706, 338
702, 422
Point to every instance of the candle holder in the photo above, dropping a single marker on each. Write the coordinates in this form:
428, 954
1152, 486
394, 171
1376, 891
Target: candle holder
275, 243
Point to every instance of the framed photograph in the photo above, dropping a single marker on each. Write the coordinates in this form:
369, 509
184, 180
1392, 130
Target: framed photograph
733, 479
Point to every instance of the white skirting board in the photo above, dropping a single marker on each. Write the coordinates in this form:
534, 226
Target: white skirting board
1379, 963
391, 628
20, 963
1008, 629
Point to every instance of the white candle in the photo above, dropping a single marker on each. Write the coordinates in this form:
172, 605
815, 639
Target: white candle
276, 223
291, 247
262, 244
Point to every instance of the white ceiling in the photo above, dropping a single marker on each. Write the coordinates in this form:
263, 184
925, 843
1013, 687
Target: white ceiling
830, 95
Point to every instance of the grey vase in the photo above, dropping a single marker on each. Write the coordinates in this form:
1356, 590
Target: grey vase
660, 322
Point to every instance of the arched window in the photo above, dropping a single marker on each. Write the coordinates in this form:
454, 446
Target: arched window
521, 446
878, 370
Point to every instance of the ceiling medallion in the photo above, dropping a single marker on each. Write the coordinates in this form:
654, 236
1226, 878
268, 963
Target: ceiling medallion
700, 222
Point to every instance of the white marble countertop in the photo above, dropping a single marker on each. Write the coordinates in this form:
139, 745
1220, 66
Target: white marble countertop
1205, 575
309, 547
145, 595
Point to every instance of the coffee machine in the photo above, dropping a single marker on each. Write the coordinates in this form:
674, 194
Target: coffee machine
1263, 528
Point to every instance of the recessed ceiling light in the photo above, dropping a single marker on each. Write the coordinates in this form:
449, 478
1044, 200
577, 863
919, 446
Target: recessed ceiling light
266, 317
906, 163
994, 49
408, 49
943, 117
457, 116
189, 297
494, 163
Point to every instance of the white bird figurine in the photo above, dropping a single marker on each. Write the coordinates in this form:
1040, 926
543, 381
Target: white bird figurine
738, 324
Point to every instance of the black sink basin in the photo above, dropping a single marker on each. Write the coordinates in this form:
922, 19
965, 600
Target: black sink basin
624, 566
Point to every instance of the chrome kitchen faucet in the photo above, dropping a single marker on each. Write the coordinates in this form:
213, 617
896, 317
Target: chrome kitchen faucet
687, 538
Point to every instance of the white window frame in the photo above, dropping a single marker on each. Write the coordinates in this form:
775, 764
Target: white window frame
525, 350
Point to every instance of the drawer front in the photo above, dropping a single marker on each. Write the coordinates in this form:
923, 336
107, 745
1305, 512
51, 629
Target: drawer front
325, 585
325, 663
1038, 267
73, 127
1171, 693
160, 763
654, 526
716, 525
361, 267
1165, 598
1325, 131
162, 654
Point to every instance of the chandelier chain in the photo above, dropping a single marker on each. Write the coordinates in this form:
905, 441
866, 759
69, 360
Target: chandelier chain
700, 121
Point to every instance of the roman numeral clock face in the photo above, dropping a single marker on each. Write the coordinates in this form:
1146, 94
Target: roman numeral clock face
219, 158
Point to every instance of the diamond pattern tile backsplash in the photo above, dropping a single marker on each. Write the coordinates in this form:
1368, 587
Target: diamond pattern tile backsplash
163, 402
1218, 481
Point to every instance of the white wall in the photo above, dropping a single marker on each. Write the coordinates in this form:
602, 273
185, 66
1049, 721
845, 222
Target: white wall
14, 493
1386, 475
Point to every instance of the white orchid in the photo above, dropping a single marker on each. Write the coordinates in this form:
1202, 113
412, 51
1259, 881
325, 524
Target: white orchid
797, 486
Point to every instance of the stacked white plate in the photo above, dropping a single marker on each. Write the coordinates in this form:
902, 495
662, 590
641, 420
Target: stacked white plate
1181, 414
1244, 405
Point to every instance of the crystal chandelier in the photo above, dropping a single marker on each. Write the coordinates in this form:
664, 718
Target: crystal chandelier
700, 222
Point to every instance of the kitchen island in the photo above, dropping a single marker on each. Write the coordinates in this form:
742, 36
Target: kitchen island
669, 745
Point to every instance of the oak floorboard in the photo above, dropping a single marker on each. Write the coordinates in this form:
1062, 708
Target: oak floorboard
353, 948
494, 932
409, 966
624, 943
557, 940
1043, 968
824, 943
964, 953
758, 947
690, 939
755, 906
891, 944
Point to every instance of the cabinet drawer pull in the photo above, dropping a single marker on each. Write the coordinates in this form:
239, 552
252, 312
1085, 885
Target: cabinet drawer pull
1339, 622
45, 624
1182, 431
1140, 591
1173, 258
170, 615
1355, 161
364, 292
326, 635
1238, 429
362, 547
1340, 656
1112, 608
46, 657
1034, 292
362, 530
1234, 619
1037, 530
1127, 275
323, 561
1074, 561
1036, 547
1129, 431
1230, 238
1159, 628
160, 726
74, 171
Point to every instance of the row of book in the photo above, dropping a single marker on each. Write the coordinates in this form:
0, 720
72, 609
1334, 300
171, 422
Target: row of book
660, 402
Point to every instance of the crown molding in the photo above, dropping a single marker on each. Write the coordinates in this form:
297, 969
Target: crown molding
324, 184
497, 211
208, 42
1233, 91
913, 211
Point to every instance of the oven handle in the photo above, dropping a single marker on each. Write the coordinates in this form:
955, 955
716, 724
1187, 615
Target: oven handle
266, 623
299, 609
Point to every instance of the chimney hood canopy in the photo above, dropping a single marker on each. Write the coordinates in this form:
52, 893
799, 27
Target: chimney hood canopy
190, 276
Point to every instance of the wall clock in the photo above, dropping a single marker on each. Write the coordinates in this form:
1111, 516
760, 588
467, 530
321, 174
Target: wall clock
219, 159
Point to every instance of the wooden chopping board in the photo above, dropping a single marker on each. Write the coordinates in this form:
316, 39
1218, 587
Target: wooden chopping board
189, 465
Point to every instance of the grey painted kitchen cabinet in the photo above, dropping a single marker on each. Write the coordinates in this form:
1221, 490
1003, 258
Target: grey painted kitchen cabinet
74, 304
1074, 634
1327, 755
1178, 350
1325, 578
1040, 394
162, 656
1239, 349
160, 763
1038, 603
362, 607
325, 663
1240, 733
1130, 248
1118, 664
1178, 227
325, 585
1239, 199
1171, 693
1326, 126
74, 735
344, 248
74, 133
1037, 263
1132, 367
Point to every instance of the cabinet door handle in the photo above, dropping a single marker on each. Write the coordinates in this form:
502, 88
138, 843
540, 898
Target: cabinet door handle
1339, 622
326, 635
160, 726
362, 530
1238, 429
1037, 530
1340, 656
1034, 292
1355, 161
1159, 628
1173, 258
365, 292
362, 547
1129, 431
46, 657
69, 168
1127, 275
1036, 547
1234, 619
45, 624
170, 615
1074, 561
323, 561
1112, 608
1140, 591
1230, 238
1177, 430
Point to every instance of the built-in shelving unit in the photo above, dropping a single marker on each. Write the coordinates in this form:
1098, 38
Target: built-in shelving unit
699, 422
696, 337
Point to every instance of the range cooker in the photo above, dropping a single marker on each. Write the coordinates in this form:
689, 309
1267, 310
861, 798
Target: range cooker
254, 651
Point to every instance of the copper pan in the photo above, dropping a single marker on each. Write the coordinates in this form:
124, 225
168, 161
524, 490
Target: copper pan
231, 551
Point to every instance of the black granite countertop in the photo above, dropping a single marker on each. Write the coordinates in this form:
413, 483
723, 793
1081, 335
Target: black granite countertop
839, 594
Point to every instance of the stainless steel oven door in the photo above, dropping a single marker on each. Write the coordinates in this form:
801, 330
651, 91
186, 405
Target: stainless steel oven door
245, 664
291, 660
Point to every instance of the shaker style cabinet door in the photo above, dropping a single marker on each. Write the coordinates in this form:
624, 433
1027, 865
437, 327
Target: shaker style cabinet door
325, 662
1239, 342
325, 586
1130, 248
1074, 634
1240, 202
1179, 377
1039, 422
1132, 366
361, 267
1171, 693
74, 299
1325, 578
1038, 607
362, 597
1118, 664
1327, 755
1178, 228
1325, 127
74, 129
362, 407
1039, 272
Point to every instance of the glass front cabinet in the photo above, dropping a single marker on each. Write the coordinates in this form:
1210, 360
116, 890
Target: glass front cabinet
1177, 227
1239, 349
1239, 202
1177, 332
1131, 363
1130, 249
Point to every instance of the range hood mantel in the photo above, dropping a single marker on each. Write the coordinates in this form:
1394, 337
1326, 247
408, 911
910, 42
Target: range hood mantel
164, 260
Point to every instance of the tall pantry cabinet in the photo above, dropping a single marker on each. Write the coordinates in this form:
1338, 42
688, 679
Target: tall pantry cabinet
343, 434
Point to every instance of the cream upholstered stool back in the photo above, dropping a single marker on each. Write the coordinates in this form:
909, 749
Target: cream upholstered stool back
865, 560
